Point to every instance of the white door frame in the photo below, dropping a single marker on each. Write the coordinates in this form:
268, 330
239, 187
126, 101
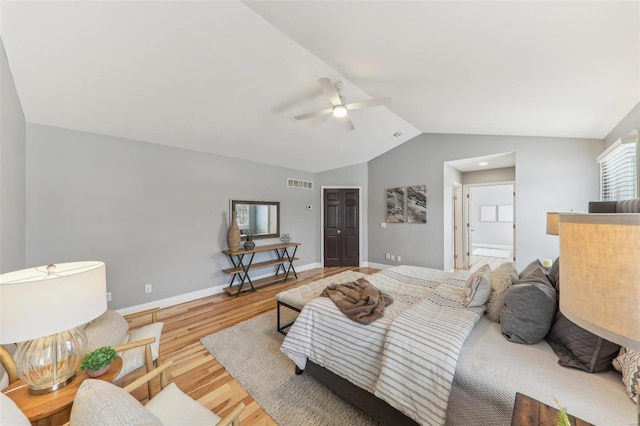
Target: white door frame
458, 226
322, 188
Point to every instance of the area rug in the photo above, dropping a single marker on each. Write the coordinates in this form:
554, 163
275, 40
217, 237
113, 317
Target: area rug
250, 352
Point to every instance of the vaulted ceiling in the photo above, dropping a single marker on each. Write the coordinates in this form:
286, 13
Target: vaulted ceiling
227, 77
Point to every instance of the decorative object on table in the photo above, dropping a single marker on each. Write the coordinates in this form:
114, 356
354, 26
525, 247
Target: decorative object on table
563, 416
68, 295
249, 244
233, 234
97, 363
285, 238
600, 275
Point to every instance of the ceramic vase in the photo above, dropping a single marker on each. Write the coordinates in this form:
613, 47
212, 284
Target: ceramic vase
233, 235
249, 244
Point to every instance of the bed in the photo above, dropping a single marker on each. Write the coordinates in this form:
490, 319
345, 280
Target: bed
485, 370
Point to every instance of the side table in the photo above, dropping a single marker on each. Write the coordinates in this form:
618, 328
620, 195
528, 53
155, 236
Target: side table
53, 408
531, 412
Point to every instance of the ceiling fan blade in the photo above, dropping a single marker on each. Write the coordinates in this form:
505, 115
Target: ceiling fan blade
347, 122
329, 89
314, 114
369, 103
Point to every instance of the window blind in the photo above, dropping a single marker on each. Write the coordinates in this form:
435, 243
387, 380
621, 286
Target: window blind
619, 172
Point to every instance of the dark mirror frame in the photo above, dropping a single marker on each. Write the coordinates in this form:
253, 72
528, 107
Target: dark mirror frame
267, 203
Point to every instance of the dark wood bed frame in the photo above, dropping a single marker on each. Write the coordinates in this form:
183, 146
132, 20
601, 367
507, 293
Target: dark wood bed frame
381, 411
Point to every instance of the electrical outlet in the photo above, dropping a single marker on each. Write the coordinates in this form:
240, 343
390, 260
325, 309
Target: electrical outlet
387, 256
399, 258
108, 296
383, 224
148, 288
393, 257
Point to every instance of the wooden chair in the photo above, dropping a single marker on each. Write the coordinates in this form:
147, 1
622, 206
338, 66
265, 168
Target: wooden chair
97, 397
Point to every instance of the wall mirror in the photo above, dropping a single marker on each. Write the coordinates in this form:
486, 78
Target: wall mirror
258, 218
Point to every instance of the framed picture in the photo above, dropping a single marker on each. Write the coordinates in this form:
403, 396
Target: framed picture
487, 213
505, 213
395, 205
417, 204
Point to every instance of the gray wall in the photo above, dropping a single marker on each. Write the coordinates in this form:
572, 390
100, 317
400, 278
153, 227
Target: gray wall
504, 174
628, 124
490, 233
551, 174
154, 214
356, 175
12, 172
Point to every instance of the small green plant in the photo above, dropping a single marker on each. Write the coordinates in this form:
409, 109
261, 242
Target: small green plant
99, 358
563, 417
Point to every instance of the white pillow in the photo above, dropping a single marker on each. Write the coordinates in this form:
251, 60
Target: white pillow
101, 403
132, 359
174, 407
478, 288
628, 363
10, 414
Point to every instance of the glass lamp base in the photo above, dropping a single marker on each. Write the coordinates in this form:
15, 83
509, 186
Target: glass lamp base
50, 362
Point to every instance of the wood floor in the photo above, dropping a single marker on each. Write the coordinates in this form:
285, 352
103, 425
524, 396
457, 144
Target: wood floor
195, 371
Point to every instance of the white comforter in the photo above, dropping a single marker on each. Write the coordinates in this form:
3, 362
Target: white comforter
422, 331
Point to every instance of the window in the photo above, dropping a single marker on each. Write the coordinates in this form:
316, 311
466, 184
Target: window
619, 170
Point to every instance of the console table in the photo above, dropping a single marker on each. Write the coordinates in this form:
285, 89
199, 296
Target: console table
242, 261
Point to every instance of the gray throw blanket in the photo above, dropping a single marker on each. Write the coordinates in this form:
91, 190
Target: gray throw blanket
358, 300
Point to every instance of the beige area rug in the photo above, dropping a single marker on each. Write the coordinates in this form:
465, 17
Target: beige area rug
250, 352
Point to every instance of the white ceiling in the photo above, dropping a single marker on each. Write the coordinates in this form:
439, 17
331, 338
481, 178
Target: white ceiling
227, 77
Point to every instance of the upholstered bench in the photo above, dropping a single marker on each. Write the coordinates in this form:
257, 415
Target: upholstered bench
295, 298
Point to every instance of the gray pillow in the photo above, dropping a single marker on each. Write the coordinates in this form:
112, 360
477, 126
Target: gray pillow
554, 274
579, 348
528, 312
535, 272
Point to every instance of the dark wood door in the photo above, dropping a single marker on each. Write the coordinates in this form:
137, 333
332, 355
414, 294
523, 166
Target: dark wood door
341, 227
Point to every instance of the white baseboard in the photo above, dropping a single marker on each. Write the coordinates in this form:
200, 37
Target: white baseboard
495, 246
194, 295
376, 265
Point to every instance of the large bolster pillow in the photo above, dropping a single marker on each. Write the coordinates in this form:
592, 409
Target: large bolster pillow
528, 312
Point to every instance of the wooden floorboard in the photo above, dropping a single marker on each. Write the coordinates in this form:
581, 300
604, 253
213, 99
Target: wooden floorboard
195, 371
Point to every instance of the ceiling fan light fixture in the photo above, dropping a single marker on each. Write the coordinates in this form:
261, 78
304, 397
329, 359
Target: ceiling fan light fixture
339, 111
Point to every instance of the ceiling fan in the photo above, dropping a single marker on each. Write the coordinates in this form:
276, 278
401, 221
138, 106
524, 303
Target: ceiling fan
340, 108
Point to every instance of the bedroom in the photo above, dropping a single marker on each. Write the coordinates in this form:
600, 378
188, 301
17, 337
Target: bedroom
162, 210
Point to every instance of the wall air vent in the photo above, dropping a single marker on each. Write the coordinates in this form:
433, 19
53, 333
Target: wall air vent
299, 184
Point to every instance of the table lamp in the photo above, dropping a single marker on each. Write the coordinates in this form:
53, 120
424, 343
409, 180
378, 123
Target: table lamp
43, 307
600, 274
552, 223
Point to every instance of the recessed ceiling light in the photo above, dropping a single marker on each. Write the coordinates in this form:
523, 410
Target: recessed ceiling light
397, 134
483, 163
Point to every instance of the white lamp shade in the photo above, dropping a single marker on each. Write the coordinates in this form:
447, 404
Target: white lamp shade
36, 303
600, 274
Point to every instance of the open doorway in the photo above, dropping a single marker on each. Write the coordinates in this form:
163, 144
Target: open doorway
490, 219
465, 232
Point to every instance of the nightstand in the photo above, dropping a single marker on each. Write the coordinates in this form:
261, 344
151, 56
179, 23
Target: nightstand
530, 412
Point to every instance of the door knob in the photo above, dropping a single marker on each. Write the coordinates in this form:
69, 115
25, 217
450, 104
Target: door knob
339, 231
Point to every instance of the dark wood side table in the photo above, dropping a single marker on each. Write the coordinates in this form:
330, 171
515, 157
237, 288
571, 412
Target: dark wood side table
53, 408
531, 412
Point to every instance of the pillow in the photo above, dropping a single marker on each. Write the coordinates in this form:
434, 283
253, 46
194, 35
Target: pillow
109, 329
528, 311
10, 413
554, 274
478, 288
579, 348
174, 407
628, 363
133, 358
500, 279
535, 272
101, 403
